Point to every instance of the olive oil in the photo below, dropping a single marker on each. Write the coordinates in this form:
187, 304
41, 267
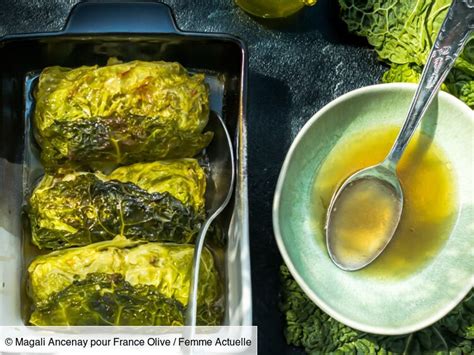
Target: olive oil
430, 201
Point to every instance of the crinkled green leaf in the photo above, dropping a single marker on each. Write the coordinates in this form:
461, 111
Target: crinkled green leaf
309, 327
160, 201
408, 73
457, 83
402, 33
462, 86
107, 299
120, 114
165, 268
184, 179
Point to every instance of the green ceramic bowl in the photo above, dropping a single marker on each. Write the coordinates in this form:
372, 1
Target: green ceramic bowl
371, 304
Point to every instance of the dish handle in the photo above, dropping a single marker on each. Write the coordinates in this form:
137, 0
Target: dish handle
121, 17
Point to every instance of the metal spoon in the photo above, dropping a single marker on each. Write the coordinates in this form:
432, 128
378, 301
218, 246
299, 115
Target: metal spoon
453, 35
219, 191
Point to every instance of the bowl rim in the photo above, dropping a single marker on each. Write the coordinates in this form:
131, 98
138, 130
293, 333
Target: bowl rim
382, 330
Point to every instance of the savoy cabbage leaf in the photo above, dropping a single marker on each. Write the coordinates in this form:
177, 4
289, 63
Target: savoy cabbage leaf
402, 33
158, 272
107, 299
159, 201
309, 327
122, 113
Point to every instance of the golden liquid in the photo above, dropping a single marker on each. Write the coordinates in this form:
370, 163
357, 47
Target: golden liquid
363, 216
273, 8
430, 203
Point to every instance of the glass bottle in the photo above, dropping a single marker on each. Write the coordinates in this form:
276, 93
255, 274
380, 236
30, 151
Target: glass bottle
273, 8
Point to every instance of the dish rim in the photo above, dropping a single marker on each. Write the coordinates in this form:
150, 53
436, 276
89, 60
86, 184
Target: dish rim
382, 330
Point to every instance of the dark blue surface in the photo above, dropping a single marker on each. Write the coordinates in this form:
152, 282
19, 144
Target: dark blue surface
296, 66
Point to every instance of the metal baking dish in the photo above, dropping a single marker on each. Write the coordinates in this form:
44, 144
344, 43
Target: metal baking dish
93, 33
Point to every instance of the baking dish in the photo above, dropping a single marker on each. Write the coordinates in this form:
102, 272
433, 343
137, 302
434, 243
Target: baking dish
95, 32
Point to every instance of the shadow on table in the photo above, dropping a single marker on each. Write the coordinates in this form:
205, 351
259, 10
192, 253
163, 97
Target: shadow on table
269, 140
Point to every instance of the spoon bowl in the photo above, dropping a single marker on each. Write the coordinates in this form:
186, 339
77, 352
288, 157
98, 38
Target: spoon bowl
377, 174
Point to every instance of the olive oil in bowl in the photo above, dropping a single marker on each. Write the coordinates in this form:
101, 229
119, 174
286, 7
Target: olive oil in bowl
430, 203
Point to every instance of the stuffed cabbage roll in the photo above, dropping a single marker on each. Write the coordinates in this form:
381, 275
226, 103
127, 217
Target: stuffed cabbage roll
121, 282
159, 201
119, 114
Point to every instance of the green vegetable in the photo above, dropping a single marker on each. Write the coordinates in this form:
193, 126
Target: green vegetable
160, 201
403, 32
106, 299
184, 179
121, 282
311, 328
119, 114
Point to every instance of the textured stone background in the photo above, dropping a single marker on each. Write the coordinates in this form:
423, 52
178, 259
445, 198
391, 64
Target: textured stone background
296, 66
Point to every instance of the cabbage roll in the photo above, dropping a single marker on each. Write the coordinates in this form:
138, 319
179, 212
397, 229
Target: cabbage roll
98, 117
121, 282
159, 201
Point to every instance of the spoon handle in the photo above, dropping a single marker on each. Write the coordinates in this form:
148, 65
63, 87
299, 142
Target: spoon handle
191, 312
453, 35
224, 167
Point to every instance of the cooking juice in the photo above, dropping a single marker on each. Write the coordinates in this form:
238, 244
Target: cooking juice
430, 203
